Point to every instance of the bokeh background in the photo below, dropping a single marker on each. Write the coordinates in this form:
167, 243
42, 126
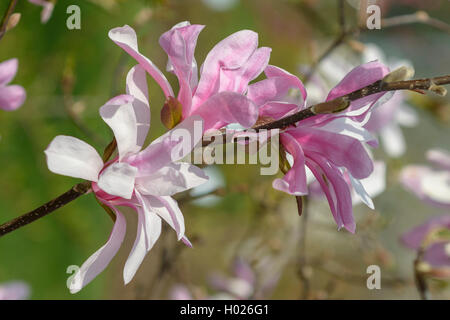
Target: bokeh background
69, 74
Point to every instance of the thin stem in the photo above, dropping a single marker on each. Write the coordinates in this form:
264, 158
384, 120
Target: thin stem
420, 279
302, 261
45, 209
7, 15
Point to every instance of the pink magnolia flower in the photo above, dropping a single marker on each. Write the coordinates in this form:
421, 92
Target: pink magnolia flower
330, 145
431, 185
14, 290
47, 8
218, 96
387, 119
143, 180
430, 237
11, 96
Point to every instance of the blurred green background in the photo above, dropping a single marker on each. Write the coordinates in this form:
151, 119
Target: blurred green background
79, 70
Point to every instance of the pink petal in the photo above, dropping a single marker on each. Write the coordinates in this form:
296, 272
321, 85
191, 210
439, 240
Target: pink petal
125, 37
227, 107
341, 150
72, 157
12, 97
230, 53
237, 80
276, 87
179, 43
172, 146
8, 70
335, 188
102, 257
358, 78
294, 181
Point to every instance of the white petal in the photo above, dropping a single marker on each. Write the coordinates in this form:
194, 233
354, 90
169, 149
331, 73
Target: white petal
137, 87
393, 140
171, 179
148, 232
406, 116
360, 192
436, 185
122, 120
102, 257
118, 180
167, 208
72, 157
348, 127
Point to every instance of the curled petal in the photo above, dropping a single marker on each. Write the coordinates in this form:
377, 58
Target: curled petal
102, 257
125, 37
294, 181
122, 120
179, 43
335, 188
167, 208
227, 107
341, 150
148, 232
72, 157
230, 53
137, 88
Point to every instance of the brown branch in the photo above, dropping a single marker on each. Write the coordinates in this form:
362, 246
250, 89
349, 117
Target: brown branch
339, 104
62, 200
418, 17
8, 13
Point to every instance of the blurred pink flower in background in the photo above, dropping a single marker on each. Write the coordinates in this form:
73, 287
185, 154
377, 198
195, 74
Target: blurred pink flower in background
241, 286
218, 96
433, 239
431, 185
47, 8
11, 96
14, 290
142, 180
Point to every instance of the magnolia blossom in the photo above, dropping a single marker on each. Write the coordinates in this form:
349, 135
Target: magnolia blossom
386, 120
47, 8
14, 290
143, 180
218, 96
431, 185
329, 145
432, 238
11, 96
